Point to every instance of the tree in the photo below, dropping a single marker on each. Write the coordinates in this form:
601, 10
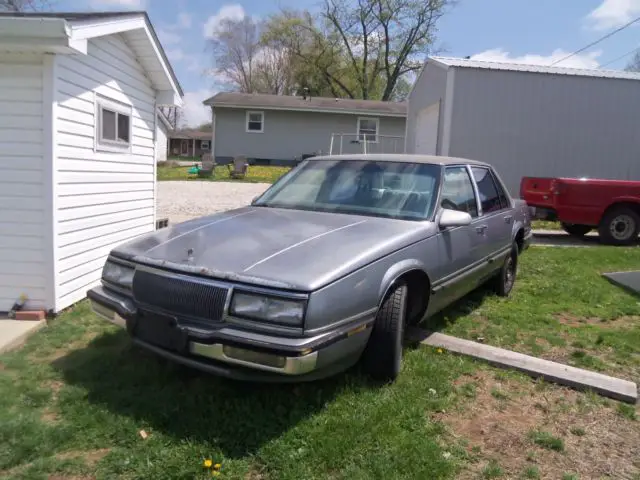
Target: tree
23, 5
361, 48
634, 64
235, 46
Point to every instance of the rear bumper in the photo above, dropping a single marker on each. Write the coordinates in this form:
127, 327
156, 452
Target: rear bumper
235, 353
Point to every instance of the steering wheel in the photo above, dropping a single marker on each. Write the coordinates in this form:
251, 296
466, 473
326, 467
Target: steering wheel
446, 203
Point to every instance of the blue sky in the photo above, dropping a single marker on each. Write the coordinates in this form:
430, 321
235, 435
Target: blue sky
540, 31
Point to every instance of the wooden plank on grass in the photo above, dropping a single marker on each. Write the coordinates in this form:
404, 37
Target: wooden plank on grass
551, 371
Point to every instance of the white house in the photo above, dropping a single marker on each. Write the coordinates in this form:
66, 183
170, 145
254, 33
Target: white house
527, 120
78, 100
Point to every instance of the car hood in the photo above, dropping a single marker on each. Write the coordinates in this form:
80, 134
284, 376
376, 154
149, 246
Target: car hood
292, 249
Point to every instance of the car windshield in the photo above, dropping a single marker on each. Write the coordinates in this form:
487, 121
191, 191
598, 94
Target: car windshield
385, 189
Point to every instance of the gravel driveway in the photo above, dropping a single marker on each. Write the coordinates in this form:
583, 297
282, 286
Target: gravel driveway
181, 201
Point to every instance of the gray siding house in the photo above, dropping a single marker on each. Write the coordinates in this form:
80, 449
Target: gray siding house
278, 129
528, 120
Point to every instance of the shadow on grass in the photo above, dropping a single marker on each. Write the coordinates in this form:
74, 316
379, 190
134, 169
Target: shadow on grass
189, 405
449, 315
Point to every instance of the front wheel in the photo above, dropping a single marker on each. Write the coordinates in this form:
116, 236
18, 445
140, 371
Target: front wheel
619, 226
382, 357
506, 278
576, 230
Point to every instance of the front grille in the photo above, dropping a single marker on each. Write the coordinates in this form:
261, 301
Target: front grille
179, 295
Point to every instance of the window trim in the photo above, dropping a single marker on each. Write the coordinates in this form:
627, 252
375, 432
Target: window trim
119, 108
495, 184
474, 188
376, 120
246, 123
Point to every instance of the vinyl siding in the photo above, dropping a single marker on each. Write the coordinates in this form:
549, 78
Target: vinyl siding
291, 134
430, 88
532, 124
23, 207
102, 198
161, 141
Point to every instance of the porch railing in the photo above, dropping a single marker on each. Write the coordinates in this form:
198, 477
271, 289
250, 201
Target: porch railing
362, 143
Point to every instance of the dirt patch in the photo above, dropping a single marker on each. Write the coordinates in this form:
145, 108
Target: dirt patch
617, 323
49, 417
500, 419
90, 457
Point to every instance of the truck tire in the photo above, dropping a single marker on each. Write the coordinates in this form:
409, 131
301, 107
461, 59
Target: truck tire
382, 357
619, 226
506, 278
576, 230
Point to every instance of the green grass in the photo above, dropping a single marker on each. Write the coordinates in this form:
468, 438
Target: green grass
546, 440
75, 398
627, 411
531, 473
545, 225
255, 174
577, 431
559, 299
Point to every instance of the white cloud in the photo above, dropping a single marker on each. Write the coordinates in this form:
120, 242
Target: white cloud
613, 14
184, 20
167, 37
175, 54
119, 4
586, 60
231, 12
194, 113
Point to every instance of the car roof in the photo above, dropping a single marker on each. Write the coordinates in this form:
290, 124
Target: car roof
406, 158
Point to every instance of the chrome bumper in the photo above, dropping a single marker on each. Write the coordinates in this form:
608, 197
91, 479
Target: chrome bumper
285, 365
105, 306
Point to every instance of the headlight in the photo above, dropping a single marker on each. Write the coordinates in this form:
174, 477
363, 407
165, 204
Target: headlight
118, 274
270, 309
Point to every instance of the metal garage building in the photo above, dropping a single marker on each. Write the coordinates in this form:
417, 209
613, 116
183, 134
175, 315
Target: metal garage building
528, 120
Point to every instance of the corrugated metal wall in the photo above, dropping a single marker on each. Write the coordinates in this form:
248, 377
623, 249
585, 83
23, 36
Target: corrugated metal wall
430, 88
532, 124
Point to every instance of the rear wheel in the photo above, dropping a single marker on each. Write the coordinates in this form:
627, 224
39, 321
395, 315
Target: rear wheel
619, 226
506, 278
575, 229
382, 357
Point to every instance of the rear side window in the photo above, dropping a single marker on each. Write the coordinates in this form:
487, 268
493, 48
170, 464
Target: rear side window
492, 197
457, 191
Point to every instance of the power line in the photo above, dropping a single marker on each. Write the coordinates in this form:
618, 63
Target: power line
620, 57
596, 42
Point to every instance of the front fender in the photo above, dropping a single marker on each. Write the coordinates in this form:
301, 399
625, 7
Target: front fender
395, 272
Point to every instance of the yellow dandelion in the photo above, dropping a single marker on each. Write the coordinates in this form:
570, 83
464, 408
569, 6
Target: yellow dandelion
439, 350
217, 466
207, 463
215, 473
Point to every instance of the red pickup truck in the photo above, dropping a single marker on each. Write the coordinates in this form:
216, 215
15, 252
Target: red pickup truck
581, 205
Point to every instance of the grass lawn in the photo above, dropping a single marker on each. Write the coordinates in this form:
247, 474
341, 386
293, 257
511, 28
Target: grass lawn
76, 397
256, 174
545, 225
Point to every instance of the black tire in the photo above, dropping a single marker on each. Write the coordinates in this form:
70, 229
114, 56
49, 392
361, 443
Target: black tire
382, 357
619, 226
576, 230
506, 278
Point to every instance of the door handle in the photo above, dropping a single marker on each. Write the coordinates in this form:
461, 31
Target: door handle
480, 229
508, 218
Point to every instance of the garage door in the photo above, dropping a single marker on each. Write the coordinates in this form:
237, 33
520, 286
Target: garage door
426, 137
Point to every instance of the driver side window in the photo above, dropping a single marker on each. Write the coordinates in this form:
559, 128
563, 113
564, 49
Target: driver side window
457, 191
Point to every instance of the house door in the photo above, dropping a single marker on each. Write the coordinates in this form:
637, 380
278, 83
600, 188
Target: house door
184, 147
426, 134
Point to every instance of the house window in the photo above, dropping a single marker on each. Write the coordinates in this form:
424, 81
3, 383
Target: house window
255, 122
113, 125
368, 129
204, 145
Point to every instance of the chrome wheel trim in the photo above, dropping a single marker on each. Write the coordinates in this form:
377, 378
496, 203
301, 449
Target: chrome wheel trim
622, 227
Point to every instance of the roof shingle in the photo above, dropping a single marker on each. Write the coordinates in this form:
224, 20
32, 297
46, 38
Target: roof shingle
317, 104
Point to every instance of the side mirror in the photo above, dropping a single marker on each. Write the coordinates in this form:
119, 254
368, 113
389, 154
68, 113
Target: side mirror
453, 218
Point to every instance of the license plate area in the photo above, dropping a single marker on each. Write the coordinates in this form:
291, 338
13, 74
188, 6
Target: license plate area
161, 330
